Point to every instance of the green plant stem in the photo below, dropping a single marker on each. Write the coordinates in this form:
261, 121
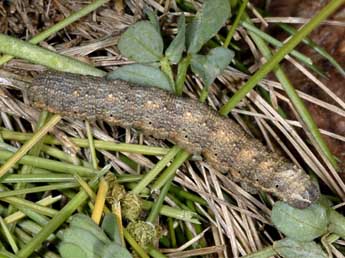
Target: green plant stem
137, 248
291, 30
37, 189
91, 145
166, 68
172, 212
251, 27
83, 143
172, 233
52, 165
59, 178
273, 62
14, 217
18, 202
41, 220
152, 174
154, 213
35, 151
235, 24
155, 253
178, 192
181, 157
279, 55
60, 25
38, 55
55, 222
6, 254
181, 74
295, 99
198, 227
29, 144
8, 235
178, 202
204, 94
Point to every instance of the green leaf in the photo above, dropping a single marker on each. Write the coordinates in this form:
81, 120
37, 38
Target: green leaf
177, 46
210, 66
153, 19
84, 240
70, 250
110, 227
115, 251
141, 75
141, 42
337, 223
207, 23
289, 248
85, 222
302, 225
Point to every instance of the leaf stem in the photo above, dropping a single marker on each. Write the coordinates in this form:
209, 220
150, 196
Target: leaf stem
181, 74
236, 23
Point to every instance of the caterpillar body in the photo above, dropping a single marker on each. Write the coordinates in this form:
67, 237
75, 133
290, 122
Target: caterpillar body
187, 122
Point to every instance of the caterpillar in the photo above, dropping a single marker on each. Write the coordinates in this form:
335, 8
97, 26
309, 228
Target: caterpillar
190, 124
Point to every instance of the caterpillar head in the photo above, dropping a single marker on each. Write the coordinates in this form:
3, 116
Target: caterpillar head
296, 189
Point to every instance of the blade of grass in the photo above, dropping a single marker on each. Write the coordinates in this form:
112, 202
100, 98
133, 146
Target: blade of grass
100, 201
8, 235
55, 222
29, 144
154, 213
60, 25
172, 212
172, 233
43, 202
272, 63
103, 145
151, 175
279, 55
181, 74
250, 27
42, 56
295, 99
137, 248
291, 30
38, 189
18, 202
52, 165
91, 145
155, 253
177, 191
59, 178
181, 157
35, 151
236, 23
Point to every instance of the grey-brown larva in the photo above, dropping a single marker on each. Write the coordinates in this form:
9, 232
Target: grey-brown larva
190, 124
